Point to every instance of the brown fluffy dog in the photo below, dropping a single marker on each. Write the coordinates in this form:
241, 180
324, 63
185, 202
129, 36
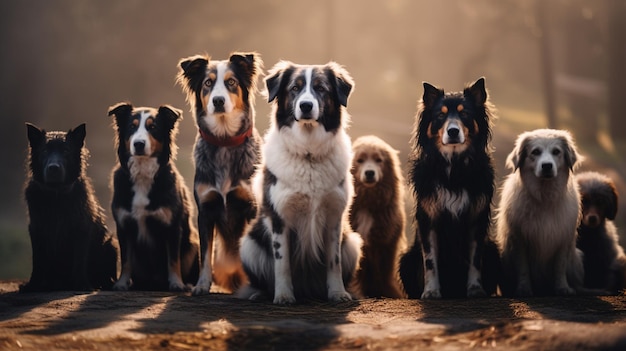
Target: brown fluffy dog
377, 213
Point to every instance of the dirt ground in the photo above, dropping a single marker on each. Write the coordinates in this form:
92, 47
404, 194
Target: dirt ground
177, 321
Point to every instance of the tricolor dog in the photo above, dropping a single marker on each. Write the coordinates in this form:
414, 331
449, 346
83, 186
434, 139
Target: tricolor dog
151, 205
226, 154
302, 246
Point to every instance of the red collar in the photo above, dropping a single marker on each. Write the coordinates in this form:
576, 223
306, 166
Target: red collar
228, 141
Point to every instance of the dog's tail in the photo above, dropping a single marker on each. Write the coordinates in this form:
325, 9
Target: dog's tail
411, 271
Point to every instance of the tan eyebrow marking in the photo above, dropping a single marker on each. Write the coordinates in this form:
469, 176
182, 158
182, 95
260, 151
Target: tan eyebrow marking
459, 108
444, 109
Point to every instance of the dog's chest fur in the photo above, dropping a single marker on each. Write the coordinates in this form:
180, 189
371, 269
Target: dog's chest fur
142, 175
308, 189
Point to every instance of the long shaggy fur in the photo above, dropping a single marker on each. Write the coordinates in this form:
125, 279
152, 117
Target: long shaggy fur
452, 176
301, 246
71, 246
226, 153
377, 214
151, 204
604, 260
538, 214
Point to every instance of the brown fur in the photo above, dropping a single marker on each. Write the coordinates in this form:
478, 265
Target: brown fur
378, 214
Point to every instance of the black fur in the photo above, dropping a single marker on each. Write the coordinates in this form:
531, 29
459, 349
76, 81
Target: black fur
434, 172
604, 260
146, 257
71, 247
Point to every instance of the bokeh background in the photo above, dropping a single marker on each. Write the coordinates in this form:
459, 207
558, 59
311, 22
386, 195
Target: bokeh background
557, 63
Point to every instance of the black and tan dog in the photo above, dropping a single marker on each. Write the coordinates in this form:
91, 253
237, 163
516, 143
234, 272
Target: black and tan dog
226, 154
604, 260
72, 249
151, 204
452, 176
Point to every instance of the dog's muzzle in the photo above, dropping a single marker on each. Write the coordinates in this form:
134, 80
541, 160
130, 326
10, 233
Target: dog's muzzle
547, 170
54, 172
453, 133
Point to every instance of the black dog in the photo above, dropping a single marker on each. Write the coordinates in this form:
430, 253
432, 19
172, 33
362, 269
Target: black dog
452, 176
71, 247
151, 204
604, 259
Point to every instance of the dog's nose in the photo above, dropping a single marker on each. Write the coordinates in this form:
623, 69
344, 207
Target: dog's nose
218, 101
593, 220
453, 132
139, 145
546, 167
54, 173
369, 175
306, 106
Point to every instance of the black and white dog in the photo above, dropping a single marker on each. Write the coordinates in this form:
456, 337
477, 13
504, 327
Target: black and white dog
226, 154
301, 245
151, 204
452, 176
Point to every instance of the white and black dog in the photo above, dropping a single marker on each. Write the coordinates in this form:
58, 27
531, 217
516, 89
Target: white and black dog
226, 154
151, 204
302, 246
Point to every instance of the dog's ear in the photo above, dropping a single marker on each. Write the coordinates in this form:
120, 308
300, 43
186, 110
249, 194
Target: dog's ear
191, 65
250, 63
36, 136
343, 82
77, 135
518, 156
277, 77
572, 157
611, 211
191, 72
171, 114
431, 94
121, 110
477, 92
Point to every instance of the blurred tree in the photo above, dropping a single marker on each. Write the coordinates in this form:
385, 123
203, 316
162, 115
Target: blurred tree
616, 68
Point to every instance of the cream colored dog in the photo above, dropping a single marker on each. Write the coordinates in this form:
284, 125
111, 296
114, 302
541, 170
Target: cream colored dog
538, 216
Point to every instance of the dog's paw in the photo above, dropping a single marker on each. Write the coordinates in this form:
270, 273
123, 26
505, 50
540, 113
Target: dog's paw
121, 285
201, 289
339, 296
523, 290
431, 294
178, 286
476, 291
284, 299
564, 291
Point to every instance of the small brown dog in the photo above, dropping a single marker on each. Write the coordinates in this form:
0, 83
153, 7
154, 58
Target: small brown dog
604, 259
378, 214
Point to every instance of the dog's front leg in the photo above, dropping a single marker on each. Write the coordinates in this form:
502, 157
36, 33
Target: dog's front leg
80, 259
474, 282
334, 281
562, 261
283, 285
432, 288
174, 277
524, 286
126, 251
210, 207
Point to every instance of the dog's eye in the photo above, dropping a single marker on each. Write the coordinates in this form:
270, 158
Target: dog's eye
379, 160
360, 160
295, 88
231, 82
319, 88
556, 152
151, 126
536, 152
208, 83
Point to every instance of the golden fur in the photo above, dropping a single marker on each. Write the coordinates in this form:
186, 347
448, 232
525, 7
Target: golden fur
378, 214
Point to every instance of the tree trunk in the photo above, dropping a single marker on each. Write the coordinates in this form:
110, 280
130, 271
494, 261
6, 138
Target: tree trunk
616, 72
